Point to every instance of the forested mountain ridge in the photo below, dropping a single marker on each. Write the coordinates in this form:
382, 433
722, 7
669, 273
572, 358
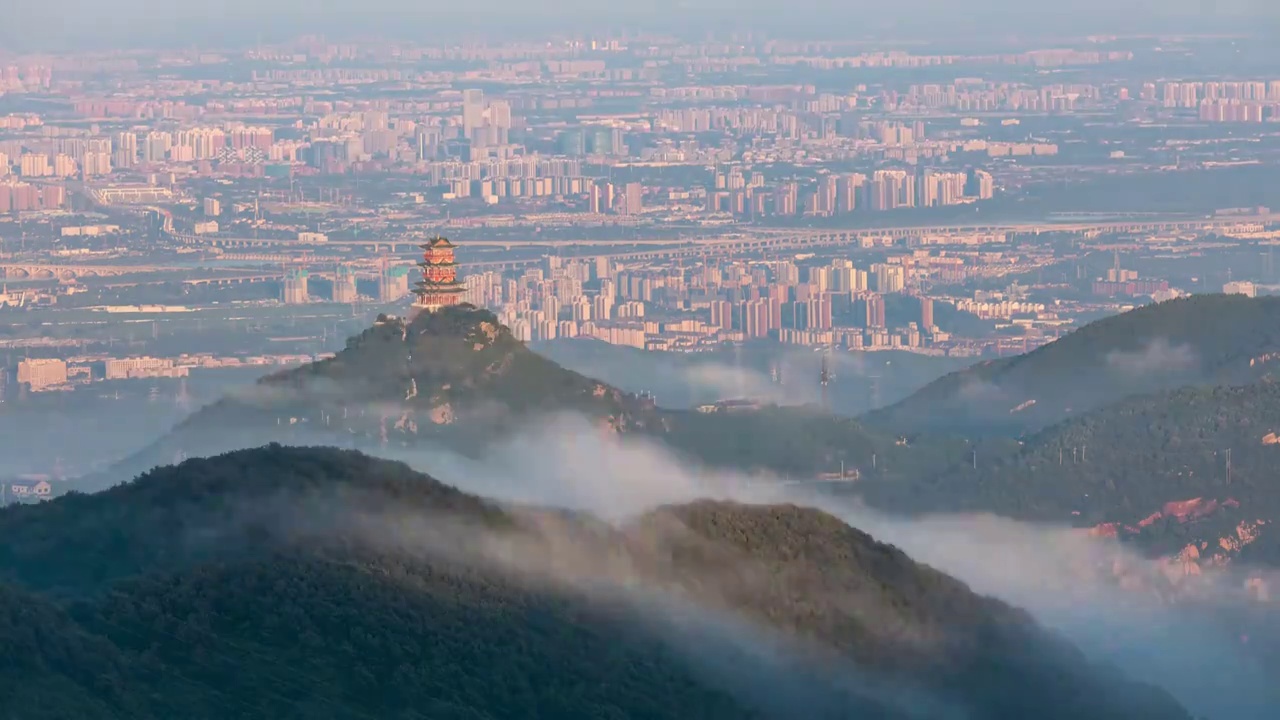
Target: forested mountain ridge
459, 379
1187, 472
313, 582
1196, 340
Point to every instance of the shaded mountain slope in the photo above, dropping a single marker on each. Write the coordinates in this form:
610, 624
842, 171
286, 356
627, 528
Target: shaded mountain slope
1203, 339
53, 668
1151, 469
323, 583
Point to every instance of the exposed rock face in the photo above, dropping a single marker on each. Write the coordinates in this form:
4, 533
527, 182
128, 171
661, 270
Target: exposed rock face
442, 414
1246, 533
1263, 359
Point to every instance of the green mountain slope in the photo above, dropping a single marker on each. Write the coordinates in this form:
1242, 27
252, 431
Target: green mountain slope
1151, 469
459, 379
285, 582
1199, 340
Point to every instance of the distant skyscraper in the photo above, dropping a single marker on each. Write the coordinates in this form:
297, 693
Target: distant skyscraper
633, 199
344, 285
428, 140
393, 284
984, 185
472, 112
926, 314
125, 154
602, 197
875, 311
295, 287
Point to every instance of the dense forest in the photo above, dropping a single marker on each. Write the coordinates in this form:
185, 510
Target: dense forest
316, 582
1129, 414
1123, 464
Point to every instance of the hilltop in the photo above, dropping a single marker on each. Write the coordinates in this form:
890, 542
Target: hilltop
459, 379
1197, 340
292, 582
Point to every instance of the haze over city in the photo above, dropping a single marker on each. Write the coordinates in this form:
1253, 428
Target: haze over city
693, 359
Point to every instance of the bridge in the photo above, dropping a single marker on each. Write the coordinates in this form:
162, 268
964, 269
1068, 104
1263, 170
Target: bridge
761, 240
769, 239
51, 271
234, 280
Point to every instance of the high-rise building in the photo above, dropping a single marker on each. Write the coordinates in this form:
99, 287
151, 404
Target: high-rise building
926, 314
632, 199
428, 142
891, 189
96, 163
889, 278
499, 127
344, 285
472, 112
601, 197
155, 148
785, 199
212, 207
125, 150
393, 283
295, 291
875, 311
572, 143
721, 314
602, 308
34, 165
848, 187
986, 185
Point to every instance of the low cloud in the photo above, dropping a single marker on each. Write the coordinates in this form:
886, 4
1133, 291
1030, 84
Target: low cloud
1063, 578
1192, 649
1157, 357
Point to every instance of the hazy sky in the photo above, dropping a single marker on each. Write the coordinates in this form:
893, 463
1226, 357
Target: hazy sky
243, 21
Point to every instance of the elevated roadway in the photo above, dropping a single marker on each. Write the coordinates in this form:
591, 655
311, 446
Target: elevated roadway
772, 239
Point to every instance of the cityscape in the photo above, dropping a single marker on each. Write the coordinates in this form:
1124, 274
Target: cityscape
662, 194
592, 361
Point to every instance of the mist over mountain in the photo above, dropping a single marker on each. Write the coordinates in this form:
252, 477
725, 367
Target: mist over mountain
1150, 470
520, 428
1198, 340
336, 585
460, 380
767, 372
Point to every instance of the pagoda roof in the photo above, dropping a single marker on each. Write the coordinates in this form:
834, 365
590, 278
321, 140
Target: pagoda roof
437, 242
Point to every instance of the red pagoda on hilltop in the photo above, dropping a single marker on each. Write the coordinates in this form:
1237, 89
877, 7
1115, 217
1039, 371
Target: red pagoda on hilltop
439, 286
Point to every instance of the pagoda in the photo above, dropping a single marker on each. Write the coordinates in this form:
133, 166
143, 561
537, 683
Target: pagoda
439, 286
